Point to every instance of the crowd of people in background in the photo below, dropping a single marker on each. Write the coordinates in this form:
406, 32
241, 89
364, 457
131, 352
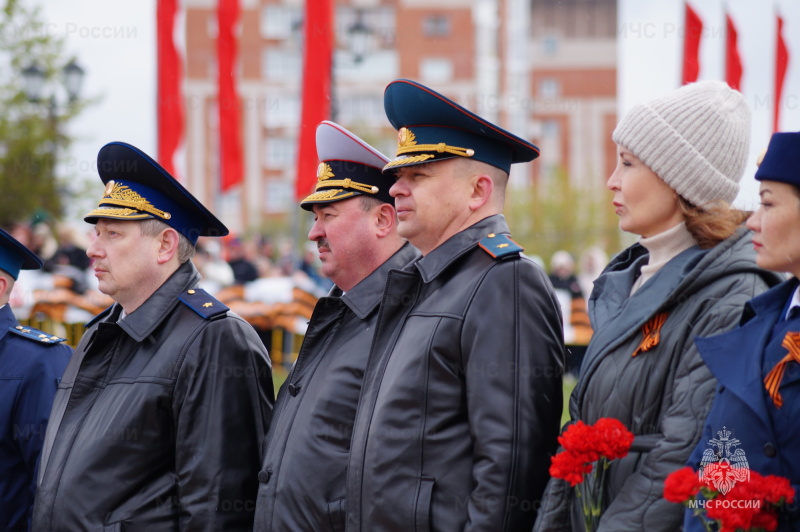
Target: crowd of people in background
267, 269
264, 269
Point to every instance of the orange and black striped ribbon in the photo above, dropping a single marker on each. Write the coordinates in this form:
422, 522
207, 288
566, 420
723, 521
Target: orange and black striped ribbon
651, 332
773, 379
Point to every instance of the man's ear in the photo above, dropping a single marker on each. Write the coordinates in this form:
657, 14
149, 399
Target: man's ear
385, 219
167, 245
5, 287
482, 187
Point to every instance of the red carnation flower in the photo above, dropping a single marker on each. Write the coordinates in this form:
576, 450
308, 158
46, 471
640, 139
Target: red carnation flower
570, 467
613, 438
580, 440
681, 485
584, 445
748, 505
777, 490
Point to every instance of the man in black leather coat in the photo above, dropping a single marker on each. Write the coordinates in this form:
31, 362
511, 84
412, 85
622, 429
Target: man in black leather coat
305, 465
160, 416
462, 399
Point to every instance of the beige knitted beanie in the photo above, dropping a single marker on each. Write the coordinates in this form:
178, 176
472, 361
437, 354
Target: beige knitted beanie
695, 138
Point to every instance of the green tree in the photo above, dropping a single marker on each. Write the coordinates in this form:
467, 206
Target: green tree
31, 133
555, 214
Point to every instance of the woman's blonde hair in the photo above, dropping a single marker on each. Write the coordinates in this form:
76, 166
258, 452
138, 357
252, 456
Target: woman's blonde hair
712, 223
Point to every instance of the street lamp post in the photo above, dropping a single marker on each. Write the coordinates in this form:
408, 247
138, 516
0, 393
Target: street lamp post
359, 35
34, 84
358, 40
34, 79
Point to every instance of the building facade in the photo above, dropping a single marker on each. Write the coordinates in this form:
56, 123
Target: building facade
544, 69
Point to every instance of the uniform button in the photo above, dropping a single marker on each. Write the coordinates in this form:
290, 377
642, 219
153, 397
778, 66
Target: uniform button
769, 450
294, 389
263, 476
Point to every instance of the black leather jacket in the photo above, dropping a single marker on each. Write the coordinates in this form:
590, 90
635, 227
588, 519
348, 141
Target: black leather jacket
462, 395
303, 477
159, 419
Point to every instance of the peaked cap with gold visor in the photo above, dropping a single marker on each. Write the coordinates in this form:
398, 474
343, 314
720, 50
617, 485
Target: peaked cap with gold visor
348, 167
431, 127
138, 188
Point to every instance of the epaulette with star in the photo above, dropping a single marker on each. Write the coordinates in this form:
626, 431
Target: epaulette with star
36, 335
203, 303
499, 245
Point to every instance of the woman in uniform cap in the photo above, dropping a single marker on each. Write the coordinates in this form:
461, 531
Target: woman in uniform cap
757, 403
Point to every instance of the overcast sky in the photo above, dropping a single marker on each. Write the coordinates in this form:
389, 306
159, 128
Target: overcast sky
115, 42
650, 48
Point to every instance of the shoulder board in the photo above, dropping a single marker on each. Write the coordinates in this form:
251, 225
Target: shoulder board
203, 303
499, 246
35, 335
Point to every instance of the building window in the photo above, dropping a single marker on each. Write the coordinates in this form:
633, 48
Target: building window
281, 64
280, 153
436, 70
436, 26
365, 110
278, 196
379, 21
551, 130
281, 111
280, 22
550, 45
549, 88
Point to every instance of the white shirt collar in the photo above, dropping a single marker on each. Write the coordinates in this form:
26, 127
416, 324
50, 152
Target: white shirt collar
795, 302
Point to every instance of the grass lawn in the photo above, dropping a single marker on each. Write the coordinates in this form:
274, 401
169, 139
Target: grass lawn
569, 385
278, 376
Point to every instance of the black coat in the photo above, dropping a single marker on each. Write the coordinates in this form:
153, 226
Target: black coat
462, 396
159, 419
305, 466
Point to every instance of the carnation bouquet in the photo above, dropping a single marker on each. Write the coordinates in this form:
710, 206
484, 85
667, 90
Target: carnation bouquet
749, 505
587, 455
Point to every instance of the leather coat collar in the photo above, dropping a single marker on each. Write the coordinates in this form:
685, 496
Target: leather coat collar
365, 297
141, 323
434, 263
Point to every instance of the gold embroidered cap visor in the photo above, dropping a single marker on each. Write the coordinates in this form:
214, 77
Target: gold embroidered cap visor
138, 188
339, 180
432, 127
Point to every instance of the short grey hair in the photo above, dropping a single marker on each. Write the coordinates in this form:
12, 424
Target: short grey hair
369, 202
153, 227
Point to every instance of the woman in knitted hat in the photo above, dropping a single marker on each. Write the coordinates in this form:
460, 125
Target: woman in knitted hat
680, 159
